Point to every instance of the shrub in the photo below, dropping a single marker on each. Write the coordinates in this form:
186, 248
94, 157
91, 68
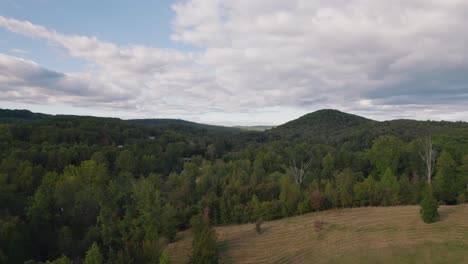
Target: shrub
461, 199
429, 213
93, 256
164, 258
258, 225
316, 200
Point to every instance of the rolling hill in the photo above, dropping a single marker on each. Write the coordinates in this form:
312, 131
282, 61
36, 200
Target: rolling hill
326, 119
333, 127
357, 235
11, 116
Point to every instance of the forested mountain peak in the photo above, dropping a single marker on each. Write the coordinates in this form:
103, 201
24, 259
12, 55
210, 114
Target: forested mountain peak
329, 118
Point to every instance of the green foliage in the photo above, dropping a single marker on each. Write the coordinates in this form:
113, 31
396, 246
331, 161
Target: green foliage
445, 181
164, 258
429, 213
367, 192
204, 248
67, 181
61, 260
344, 185
389, 187
289, 196
93, 256
386, 154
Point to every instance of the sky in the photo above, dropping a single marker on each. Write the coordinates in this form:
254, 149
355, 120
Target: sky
242, 62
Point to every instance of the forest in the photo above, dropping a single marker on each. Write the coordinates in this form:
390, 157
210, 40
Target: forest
77, 189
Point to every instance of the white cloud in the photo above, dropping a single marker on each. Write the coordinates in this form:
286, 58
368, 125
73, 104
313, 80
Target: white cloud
384, 59
20, 51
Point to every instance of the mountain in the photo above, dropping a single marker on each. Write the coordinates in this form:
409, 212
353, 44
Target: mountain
326, 119
9, 116
326, 126
181, 122
334, 127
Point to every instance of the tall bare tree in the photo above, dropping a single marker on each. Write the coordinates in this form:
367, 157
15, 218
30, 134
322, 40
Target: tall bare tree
299, 170
428, 155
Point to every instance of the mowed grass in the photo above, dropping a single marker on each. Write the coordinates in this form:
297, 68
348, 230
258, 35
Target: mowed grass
357, 235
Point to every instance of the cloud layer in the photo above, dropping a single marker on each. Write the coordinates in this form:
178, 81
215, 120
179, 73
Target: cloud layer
383, 59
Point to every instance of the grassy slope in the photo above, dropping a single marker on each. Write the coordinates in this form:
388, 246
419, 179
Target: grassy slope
359, 235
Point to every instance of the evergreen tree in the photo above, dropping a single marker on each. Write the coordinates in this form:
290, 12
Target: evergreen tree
93, 256
429, 213
389, 186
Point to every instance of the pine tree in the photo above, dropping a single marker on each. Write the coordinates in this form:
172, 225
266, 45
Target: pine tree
93, 256
389, 185
429, 213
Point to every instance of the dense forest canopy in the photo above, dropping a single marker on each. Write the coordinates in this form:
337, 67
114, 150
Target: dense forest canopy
116, 191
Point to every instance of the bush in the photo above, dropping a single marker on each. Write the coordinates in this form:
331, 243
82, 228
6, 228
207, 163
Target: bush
461, 199
316, 200
429, 213
93, 256
164, 258
258, 225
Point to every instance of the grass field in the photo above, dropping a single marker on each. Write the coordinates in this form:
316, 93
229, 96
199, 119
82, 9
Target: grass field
358, 235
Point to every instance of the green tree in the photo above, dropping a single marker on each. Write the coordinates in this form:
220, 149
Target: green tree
289, 196
328, 166
407, 192
367, 192
386, 153
331, 195
389, 186
204, 248
93, 256
344, 185
126, 161
429, 213
446, 179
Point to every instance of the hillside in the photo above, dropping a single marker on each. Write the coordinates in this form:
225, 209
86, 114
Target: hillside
12, 116
358, 235
181, 122
326, 126
335, 128
326, 119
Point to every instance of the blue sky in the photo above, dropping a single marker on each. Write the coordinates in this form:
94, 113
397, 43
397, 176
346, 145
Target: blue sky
238, 62
121, 22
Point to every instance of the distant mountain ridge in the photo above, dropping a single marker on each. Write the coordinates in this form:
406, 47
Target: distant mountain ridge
323, 125
9, 116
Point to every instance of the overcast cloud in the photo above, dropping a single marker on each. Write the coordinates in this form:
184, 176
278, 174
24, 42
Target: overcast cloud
380, 59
